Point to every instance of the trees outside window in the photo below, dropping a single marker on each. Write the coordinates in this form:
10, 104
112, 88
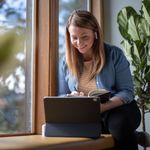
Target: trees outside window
15, 57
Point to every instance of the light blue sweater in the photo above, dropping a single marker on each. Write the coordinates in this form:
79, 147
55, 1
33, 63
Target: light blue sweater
115, 76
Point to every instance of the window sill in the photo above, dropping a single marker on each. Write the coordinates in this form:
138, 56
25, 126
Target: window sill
38, 142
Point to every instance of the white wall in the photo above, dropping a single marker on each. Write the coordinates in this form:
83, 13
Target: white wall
111, 9
111, 32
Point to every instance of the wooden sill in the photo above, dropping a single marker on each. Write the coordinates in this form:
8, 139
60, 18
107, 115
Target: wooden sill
38, 142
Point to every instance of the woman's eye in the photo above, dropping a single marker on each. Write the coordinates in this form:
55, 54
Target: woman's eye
85, 37
73, 38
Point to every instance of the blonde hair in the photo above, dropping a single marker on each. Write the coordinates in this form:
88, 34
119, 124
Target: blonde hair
74, 59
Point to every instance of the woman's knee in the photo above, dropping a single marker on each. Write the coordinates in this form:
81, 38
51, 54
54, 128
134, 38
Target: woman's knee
120, 124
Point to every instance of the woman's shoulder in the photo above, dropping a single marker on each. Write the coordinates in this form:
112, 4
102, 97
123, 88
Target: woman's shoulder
113, 50
115, 54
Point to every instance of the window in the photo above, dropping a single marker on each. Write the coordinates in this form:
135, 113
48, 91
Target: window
47, 34
38, 61
16, 59
65, 9
47, 46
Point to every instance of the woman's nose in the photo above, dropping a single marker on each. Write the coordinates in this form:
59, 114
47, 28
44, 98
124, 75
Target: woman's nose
79, 41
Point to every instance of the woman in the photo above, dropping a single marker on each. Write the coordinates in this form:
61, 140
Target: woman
92, 64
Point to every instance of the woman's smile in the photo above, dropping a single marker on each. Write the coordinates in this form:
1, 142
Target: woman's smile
81, 38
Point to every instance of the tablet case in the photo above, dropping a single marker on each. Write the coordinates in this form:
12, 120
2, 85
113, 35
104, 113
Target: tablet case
72, 117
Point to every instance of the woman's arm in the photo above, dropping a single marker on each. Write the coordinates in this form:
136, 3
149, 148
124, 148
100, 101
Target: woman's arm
112, 103
120, 79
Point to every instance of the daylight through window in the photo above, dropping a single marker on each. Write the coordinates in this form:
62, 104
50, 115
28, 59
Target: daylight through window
16, 51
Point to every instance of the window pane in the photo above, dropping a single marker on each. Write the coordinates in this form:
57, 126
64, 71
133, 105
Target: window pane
65, 9
15, 63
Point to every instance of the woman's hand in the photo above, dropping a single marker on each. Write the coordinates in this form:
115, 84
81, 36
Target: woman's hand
112, 103
76, 93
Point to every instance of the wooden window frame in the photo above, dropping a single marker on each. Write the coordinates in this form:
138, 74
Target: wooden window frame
97, 10
46, 55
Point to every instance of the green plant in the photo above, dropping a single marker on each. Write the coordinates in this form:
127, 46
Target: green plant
135, 30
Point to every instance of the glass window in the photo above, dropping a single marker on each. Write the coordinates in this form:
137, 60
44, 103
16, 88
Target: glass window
16, 51
65, 9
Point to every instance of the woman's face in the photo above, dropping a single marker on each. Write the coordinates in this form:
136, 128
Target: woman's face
82, 39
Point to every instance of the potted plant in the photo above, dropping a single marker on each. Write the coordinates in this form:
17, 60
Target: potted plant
135, 30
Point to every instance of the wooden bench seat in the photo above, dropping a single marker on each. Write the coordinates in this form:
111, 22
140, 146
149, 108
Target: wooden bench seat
38, 142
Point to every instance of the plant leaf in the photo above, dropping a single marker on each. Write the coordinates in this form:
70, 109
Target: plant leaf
133, 28
122, 19
147, 105
144, 29
136, 52
145, 10
127, 48
147, 76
